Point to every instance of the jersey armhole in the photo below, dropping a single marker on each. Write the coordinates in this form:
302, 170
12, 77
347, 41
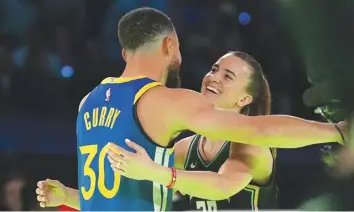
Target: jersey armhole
138, 95
83, 100
144, 89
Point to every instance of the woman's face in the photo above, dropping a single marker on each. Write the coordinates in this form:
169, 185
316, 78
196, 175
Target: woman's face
227, 81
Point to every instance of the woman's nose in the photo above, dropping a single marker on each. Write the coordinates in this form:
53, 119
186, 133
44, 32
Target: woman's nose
216, 78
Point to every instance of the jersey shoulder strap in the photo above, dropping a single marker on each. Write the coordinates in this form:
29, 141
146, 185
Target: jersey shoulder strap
118, 80
193, 146
145, 88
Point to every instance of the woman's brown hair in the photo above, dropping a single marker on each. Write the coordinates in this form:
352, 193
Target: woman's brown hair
258, 88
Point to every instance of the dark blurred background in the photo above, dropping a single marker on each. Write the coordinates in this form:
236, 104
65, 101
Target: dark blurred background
53, 52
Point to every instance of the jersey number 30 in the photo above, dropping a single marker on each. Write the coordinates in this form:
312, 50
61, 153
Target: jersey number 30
206, 206
91, 151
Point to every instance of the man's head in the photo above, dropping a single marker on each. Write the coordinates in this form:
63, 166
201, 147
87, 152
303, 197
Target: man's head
147, 31
236, 81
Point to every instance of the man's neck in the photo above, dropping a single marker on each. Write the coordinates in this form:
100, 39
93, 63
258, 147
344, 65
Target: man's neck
144, 65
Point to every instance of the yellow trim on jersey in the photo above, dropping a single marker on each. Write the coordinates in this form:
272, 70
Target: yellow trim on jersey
144, 89
115, 80
255, 195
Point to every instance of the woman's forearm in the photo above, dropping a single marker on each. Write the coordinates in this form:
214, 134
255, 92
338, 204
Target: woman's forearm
201, 184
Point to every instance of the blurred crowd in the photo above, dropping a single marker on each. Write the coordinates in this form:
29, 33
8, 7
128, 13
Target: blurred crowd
53, 52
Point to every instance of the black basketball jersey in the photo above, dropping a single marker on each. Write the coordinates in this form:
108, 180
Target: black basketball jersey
252, 197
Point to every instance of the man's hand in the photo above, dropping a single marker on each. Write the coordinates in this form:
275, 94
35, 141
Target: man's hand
51, 193
129, 164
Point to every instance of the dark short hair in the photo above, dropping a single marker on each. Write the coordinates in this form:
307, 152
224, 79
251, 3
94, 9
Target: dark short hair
141, 26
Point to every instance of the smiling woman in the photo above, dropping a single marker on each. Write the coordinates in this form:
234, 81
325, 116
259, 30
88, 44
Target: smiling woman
235, 82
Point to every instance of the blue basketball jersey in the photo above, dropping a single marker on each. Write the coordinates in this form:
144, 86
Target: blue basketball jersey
109, 115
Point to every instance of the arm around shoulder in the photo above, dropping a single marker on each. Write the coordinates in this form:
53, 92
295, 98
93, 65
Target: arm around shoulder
195, 112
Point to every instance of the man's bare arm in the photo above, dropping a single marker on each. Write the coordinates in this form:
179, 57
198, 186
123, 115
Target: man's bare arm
72, 198
195, 112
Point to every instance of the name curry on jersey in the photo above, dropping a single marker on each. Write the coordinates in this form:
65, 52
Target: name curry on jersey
101, 117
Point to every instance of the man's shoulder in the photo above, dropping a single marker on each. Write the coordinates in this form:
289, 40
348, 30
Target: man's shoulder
171, 97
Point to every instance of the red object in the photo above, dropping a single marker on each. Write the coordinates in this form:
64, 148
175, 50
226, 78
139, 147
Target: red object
66, 208
174, 177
